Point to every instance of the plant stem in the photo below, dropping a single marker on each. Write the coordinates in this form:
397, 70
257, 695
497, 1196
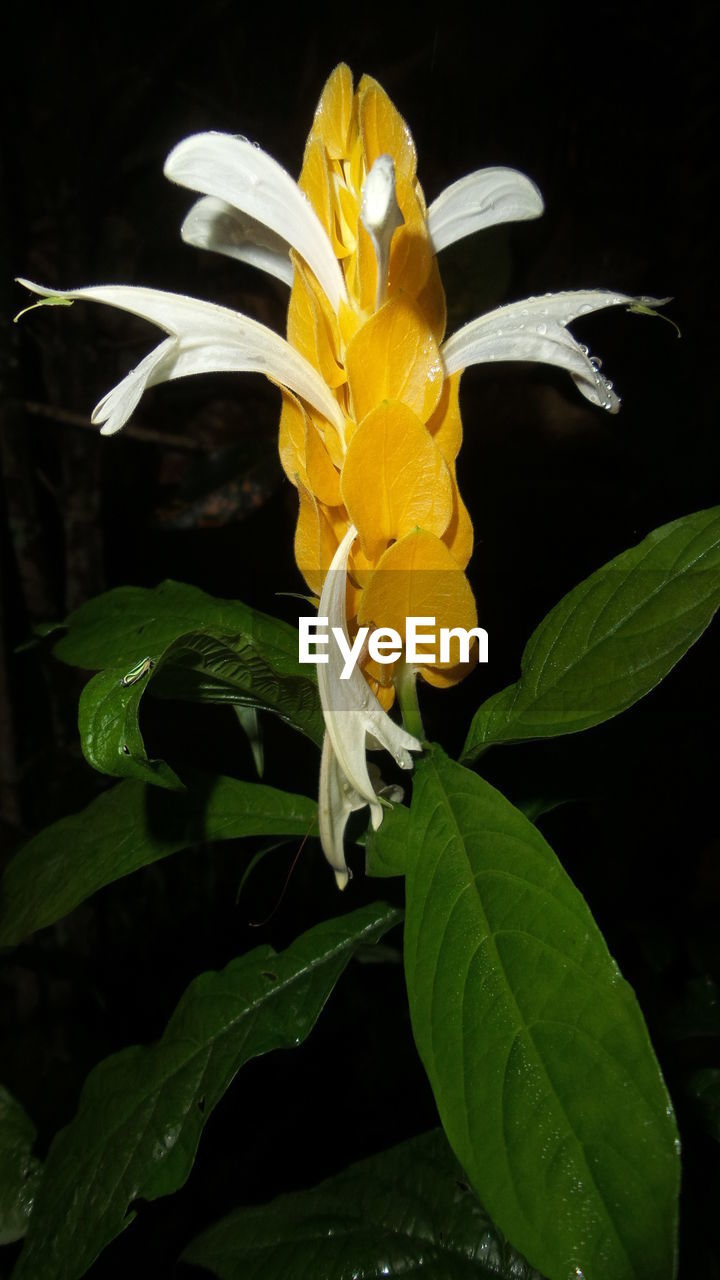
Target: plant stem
406, 689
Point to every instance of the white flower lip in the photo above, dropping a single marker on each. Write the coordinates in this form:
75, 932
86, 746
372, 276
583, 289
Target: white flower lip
233, 170
350, 708
479, 200
213, 224
535, 330
204, 338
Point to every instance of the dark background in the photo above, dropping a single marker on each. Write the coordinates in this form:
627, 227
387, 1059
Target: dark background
611, 109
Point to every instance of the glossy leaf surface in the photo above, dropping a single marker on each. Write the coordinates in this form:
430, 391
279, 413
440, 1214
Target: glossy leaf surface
612, 638
123, 626
20, 1172
129, 827
142, 1111
406, 1212
534, 1045
199, 667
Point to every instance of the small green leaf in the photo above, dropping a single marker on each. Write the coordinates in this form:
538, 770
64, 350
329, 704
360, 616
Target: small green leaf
405, 1212
20, 1172
536, 1050
612, 639
128, 827
142, 1111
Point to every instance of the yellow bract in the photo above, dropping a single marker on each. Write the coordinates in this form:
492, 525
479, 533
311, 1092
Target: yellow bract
391, 472
411, 484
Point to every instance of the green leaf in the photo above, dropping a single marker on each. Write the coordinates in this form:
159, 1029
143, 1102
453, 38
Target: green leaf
122, 626
129, 827
406, 1212
142, 1111
150, 639
110, 731
199, 667
612, 639
20, 1172
536, 1050
386, 853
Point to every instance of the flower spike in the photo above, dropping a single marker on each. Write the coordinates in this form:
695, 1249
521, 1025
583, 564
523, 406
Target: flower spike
370, 427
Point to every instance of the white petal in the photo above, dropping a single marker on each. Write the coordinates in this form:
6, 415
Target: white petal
482, 199
350, 708
113, 411
250, 180
535, 330
210, 339
214, 224
336, 802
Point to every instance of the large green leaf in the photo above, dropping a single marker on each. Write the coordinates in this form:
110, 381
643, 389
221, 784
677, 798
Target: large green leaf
122, 626
536, 1050
129, 827
142, 1111
20, 1172
406, 1212
386, 850
612, 638
184, 644
199, 667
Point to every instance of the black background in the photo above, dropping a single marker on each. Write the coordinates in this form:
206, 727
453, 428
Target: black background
611, 109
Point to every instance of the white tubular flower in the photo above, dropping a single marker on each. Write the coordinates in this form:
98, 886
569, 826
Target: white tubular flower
479, 200
214, 224
352, 716
244, 176
535, 330
204, 338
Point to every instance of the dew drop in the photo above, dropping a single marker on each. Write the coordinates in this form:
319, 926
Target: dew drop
585, 309
542, 330
585, 350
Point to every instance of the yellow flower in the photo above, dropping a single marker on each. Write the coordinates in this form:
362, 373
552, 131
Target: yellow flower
370, 426
390, 472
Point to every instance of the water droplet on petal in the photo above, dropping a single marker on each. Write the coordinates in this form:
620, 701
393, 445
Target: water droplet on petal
542, 328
